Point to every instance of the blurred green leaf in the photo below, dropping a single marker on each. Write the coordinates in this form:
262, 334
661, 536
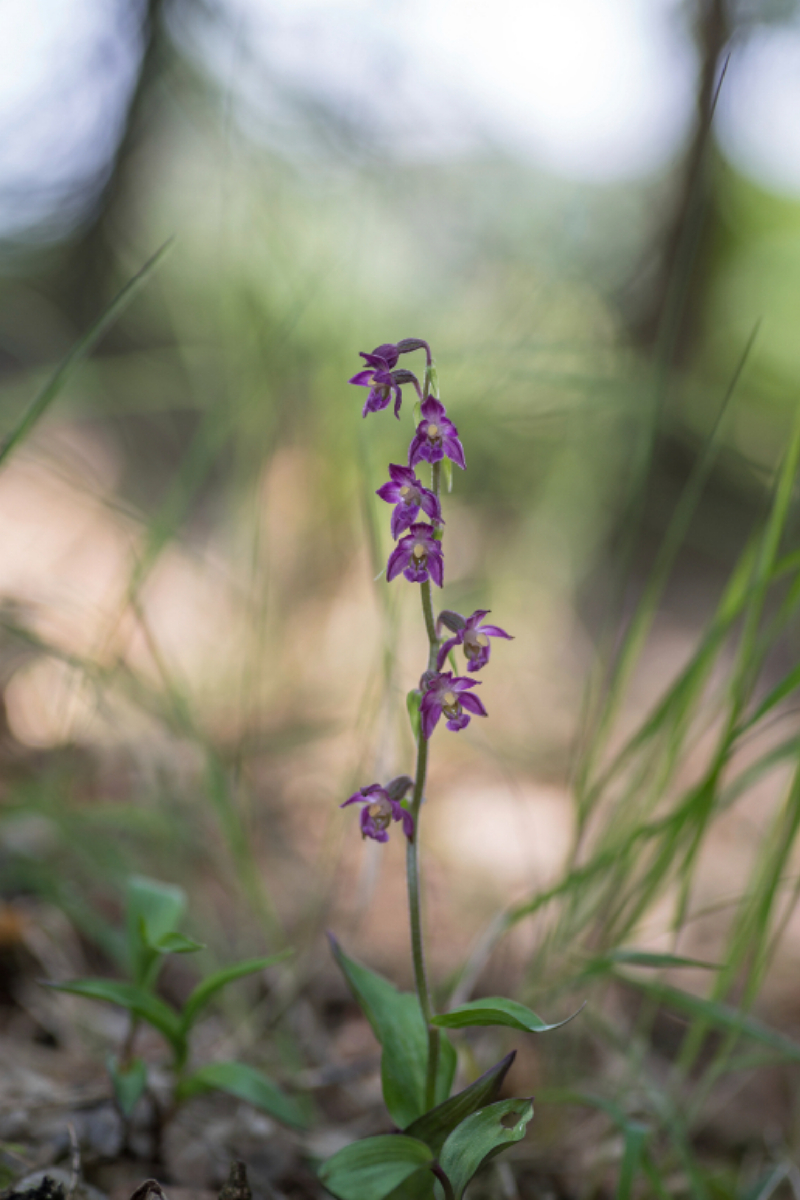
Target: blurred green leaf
606, 963
373, 1168
177, 943
397, 1023
496, 1010
45, 397
212, 984
129, 1082
480, 1137
249, 1084
719, 1015
153, 910
434, 1127
636, 1136
135, 999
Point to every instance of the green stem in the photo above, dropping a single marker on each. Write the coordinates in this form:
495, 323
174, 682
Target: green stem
412, 849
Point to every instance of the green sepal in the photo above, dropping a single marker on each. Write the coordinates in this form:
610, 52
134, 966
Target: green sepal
413, 701
397, 1023
136, 1000
129, 1082
480, 1137
447, 471
209, 986
371, 1169
496, 1010
435, 1126
249, 1084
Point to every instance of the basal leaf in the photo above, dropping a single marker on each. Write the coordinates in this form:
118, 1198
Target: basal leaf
397, 1023
480, 1137
136, 1000
129, 1082
373, 1168
496, 1010
246, 1083
212, 984
434, 1127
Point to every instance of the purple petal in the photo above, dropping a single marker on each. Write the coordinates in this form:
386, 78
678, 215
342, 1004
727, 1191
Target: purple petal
353, 799
475, 619
436, 567
398, 399
408, 825
415, 449
390, 492
495, 631
362, 379
445, 650
472, 704
455, 451
430, 710
433, 410
397, 560
404, 476
430, 504
402, 517
461, 683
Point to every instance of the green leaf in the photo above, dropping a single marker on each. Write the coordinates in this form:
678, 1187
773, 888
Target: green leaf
495, 1010
374, 1167
246, 1083
636, 1136
447, 472
212, 984
129, 1082
480, 1137
413, 701
177, 943
153, 910
136, 1000
718, 1015
45, 397
397, 1023
640, 958
434, 1127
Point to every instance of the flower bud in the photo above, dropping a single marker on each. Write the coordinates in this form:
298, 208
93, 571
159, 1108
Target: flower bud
453, 620
398, 788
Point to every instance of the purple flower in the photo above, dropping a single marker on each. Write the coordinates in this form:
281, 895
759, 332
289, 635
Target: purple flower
448, 694
409, 496
436, 437
380, 809
473, 636
418, 556
382, 381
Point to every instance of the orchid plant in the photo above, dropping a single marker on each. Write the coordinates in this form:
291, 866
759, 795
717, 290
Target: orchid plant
441, 1140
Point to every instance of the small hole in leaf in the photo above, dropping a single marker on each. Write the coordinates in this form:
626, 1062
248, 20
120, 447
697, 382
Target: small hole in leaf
510, 1120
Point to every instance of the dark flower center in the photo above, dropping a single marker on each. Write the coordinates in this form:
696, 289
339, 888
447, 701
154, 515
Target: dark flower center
450, 704
381, 814
474, 643
409, 495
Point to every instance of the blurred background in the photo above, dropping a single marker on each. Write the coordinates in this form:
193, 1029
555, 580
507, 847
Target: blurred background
591, 210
